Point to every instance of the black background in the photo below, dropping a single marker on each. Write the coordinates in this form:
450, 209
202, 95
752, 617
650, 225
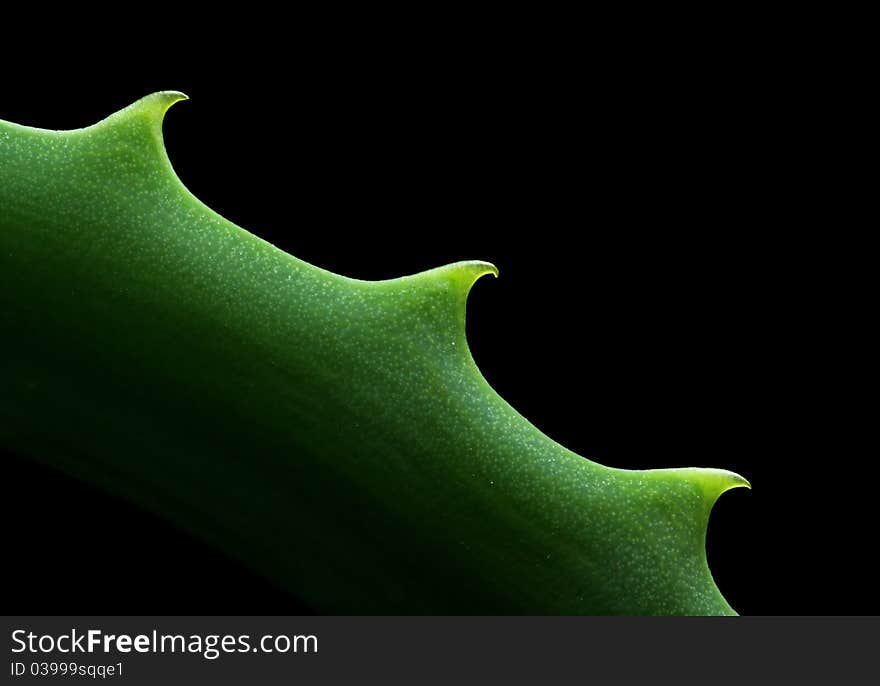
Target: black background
666, 293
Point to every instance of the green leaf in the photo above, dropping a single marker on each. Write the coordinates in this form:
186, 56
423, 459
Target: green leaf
334, 434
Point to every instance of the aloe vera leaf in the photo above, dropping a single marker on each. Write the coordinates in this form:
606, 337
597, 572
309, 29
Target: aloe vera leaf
334, 434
